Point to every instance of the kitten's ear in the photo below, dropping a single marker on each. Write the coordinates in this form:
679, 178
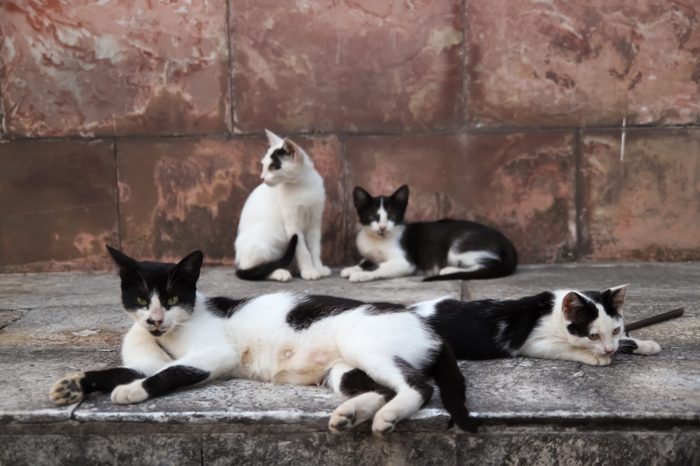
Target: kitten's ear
572, 305
290, 147
617, 296
191, 264
360, 197
400, 196
121, 259
272, 139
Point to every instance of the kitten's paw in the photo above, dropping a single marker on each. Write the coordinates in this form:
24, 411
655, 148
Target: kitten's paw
310, 274
362, 276
324, 271
68, 389
347, 271
384, 422
343, 418
280, 275
130, 393
598, 360
647, 347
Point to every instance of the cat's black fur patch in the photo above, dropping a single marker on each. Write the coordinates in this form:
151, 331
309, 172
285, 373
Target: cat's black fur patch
355, 382
142, 279
487, 329
606, 299
368, 265
383, 308
224, 307
316, 307
106, 380
415, 378
276, 158
627, 346
172, 378
450, 381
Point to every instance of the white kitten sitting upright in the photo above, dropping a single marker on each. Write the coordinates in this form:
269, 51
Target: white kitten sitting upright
282, 214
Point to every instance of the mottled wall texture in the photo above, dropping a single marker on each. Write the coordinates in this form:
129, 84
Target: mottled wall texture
140, 123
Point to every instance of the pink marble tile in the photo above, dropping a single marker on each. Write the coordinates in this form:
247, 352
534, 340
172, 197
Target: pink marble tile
645, 206
562, 63
346, 66
116, 67
178, 195
520, 183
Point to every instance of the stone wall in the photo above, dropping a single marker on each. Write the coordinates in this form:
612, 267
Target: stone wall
140, 124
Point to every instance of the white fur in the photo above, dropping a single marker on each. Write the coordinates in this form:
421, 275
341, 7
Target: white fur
384, 250
289, 202
468, 261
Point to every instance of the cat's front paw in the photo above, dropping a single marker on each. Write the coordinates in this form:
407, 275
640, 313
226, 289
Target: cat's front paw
647, 347
68, 390
598, 360
130, 393
324, 271
362, 276
280, 275
310, 274
347, 271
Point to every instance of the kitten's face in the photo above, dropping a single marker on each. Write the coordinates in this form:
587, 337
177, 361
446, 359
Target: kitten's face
158, 296
595, 319
380, 214
281, 162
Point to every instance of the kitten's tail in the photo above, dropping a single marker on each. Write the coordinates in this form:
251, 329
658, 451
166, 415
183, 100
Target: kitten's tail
491, 268
450, 381
260, 272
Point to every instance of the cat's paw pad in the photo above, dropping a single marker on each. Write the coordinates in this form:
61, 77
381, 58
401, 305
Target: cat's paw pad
324, 271
280, 275
68, 389
310, 274
342, 419
347, 271
384, 422
361, 276
647, 347
130, 393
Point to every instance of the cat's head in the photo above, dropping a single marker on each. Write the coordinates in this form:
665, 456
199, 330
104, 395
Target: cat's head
380, 214
283, 160
594, 319
157, 295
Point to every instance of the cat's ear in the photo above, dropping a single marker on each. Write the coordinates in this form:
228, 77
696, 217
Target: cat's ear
617, 296
191, 264
291, 147
272, 139
572, 306
400, 196
121, 259
360, 197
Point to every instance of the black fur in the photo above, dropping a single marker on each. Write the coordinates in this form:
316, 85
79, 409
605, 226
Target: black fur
472, 328
627, 346
106, 380
415, 379
276, 158
368, 265
450, 382
142, 279
172, 378
355, 382
261, 272
224, 307
317, 307
427, 244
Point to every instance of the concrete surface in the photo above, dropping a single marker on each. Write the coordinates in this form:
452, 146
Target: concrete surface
638, 410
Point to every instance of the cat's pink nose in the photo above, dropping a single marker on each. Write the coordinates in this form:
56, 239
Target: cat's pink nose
610, 350
157, 323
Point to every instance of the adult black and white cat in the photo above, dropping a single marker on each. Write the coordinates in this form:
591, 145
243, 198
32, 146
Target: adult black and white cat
281, 219
583, 326
381, 356
449, 249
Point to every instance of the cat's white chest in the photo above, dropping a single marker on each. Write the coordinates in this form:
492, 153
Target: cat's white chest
378, 249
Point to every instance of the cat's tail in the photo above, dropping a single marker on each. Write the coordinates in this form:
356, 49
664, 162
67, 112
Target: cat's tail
450, 381
490, 268
260, 272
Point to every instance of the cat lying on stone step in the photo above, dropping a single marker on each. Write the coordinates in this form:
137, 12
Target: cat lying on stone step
380, 356
449, 249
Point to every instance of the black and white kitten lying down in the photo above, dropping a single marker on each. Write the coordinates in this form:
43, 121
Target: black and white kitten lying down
583, 326
381, 356
448, 249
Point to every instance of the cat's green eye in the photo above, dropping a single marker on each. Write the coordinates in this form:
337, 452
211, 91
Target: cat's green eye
141, 302
616, 331
593, 336
173, 301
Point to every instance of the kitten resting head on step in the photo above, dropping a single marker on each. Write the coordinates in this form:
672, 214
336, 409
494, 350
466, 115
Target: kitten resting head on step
594, 319
283, 160
380, 214
157, 295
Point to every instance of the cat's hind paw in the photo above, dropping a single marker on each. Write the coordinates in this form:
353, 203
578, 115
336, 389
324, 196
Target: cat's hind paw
129, 393
347, 271
384, 422
647, 347
362, 276
68, 389
342, 419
